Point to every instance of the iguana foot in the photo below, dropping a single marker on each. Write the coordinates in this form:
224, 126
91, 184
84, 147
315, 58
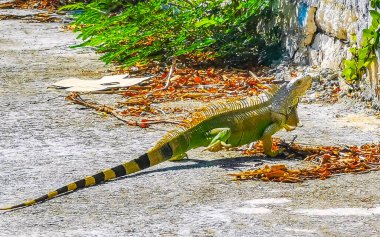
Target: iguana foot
289, 128
217, 146
219, 140
275, 153
179, 157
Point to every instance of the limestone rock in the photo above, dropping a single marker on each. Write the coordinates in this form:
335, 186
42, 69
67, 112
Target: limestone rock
327, 52
336, 19
310, 26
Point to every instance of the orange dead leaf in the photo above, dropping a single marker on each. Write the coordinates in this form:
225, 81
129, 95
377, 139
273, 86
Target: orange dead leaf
197, 80
143, 125
331, 160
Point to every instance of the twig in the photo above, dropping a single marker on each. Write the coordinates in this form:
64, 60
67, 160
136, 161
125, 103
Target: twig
159, 121
238, 69
252, 74
172, 68
54, 98
135, 123
203, 86
168, 77
293, 140
77, 99
159, 110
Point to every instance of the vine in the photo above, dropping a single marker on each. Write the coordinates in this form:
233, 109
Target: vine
365, 54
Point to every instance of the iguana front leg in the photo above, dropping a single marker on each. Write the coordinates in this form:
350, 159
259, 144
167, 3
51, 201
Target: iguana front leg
267, 139
278, 124
220, 139
292, 120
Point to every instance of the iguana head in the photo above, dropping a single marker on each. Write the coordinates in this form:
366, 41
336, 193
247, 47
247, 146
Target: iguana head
289, 94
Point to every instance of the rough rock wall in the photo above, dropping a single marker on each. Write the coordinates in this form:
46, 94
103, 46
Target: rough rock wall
325, 29
319, 32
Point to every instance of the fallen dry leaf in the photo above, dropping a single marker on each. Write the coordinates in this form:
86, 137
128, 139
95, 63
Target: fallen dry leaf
185, 84
327, 161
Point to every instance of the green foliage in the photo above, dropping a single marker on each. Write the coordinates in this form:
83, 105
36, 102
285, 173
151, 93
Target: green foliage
364, 55
139, 32
375, 4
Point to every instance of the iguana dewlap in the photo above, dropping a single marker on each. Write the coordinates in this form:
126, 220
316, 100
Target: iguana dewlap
223, 124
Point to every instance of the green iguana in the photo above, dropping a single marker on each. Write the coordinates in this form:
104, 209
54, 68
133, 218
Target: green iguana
223, 124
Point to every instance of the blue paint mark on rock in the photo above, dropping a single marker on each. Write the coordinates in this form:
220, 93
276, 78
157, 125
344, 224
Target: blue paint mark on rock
302, 14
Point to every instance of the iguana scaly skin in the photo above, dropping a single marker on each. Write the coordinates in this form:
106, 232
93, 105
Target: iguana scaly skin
223, 124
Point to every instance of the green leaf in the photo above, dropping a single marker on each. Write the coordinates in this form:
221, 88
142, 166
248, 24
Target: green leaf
347, 73
350, 64
354, 77
367, 33
71, 7
363, 53
375, 18
353, 51
205, 22
376, 41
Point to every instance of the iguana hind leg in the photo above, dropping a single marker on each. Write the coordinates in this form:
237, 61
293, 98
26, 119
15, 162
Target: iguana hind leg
179, 157
220, 139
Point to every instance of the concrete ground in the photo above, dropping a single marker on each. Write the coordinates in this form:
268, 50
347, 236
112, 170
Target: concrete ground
46, 143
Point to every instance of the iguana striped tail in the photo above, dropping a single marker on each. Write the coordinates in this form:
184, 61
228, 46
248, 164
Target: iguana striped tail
154, 156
